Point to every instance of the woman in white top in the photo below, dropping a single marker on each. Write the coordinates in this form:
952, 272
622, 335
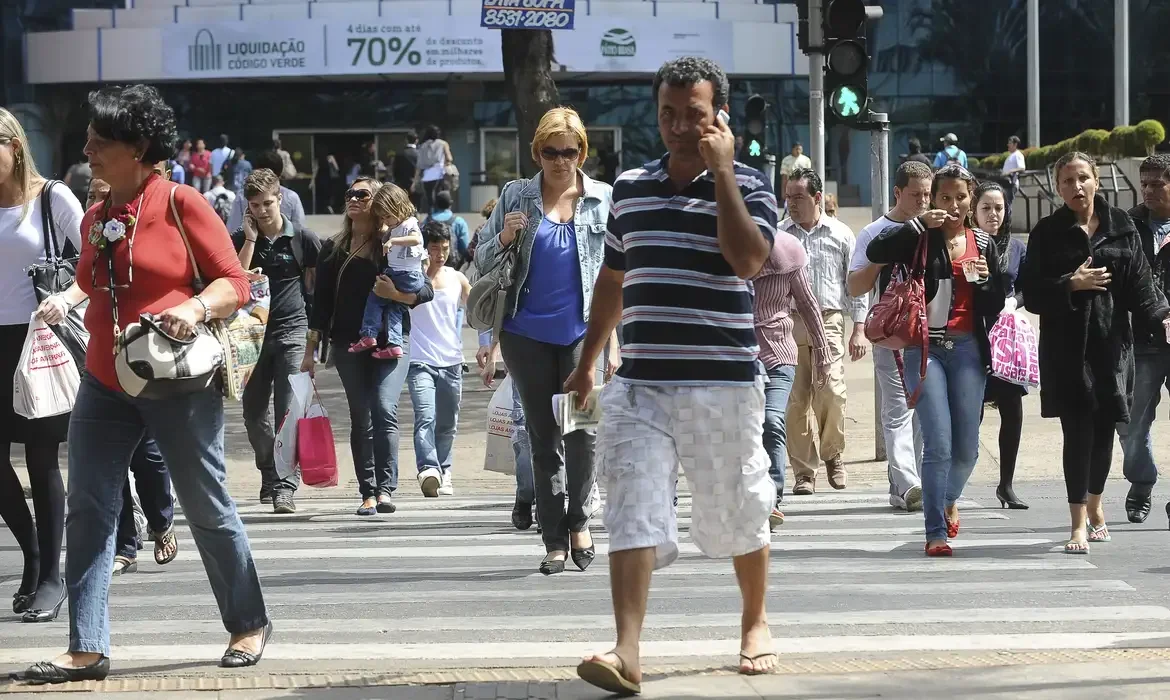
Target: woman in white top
23, 219
435, 377
434, 155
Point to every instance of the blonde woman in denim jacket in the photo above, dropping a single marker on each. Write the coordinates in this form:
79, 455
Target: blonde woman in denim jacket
558, 220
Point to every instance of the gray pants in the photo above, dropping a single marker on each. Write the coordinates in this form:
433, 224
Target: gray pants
899, 425
280, 356
539, 370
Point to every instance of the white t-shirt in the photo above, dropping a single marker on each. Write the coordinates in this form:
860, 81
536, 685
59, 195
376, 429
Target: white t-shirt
864, 236
22, 244
406, 257
435, 337
1015, 161
790, 163
214, 193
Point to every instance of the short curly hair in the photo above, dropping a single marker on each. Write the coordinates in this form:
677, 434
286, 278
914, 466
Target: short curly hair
134, 114
689, 70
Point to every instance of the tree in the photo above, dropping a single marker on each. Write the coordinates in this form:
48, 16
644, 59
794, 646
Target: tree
528, 57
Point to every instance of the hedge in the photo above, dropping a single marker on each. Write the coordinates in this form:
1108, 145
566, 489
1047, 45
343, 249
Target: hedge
1124, 141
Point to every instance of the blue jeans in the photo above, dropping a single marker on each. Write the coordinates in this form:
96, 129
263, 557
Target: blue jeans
104, 431
386, 315
153, 484
948, 410
1153, 371
372, 388
525, 485
435, 393
776, 393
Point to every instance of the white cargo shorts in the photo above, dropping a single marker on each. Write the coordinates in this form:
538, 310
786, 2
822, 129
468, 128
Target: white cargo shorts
716, 434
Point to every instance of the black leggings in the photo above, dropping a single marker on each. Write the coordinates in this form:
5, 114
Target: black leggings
40, 543
1088, 450
1011, 425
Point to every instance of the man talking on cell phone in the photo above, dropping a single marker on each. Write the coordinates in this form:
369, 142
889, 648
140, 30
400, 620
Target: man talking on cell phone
286, 253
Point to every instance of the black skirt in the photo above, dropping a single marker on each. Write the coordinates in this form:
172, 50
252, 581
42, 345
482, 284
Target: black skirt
998, 390
16, 428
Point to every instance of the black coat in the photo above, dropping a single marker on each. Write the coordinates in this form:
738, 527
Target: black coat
1086, 343
1143, 332
898, 246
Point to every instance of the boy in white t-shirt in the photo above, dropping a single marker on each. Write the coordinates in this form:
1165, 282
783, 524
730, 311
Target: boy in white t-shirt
404, 254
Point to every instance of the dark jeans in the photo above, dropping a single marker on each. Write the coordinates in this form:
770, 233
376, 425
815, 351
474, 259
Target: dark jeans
104, 431
280, 356
384, 315
372, 388
1088, 450
152, 482
776, 393
539, 370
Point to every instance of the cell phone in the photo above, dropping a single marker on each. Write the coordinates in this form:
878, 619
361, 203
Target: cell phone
724, 117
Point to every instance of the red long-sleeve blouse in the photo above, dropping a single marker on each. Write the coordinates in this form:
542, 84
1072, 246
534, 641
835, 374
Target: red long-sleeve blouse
162, 275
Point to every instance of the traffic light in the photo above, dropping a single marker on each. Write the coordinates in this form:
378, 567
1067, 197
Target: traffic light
846, 59
752, 153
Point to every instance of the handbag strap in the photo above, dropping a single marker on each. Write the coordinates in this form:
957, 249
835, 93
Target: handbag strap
48, 226
197, 284
917, 269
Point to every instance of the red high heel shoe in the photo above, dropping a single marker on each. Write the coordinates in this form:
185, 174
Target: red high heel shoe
939, 550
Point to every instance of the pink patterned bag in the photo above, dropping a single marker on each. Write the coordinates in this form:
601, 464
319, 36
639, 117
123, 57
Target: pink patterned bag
1014, 350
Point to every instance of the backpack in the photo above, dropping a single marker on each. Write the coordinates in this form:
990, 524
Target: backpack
223, 206
952, 159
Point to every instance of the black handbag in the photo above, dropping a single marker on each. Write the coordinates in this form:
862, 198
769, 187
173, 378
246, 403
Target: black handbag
55, 275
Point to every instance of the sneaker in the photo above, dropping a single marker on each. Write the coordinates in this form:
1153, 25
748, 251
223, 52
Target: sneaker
835, 470
265, 497
910, 501
776, 519
446, 488
283, 503
364, 344
430, 480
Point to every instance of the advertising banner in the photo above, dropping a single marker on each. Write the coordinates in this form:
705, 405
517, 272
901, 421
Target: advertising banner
436, 45
243, 50
527, 14
642, 45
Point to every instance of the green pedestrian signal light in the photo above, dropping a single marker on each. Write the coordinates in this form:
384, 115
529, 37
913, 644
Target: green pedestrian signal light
846, 102
754, 149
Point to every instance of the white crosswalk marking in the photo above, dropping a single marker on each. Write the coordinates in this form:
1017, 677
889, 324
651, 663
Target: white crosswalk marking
449, 583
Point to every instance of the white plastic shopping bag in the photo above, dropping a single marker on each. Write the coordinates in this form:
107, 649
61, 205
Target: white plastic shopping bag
286, 433
499, 457
47, 379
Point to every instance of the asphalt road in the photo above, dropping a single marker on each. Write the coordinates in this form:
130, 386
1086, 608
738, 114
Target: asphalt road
449, 586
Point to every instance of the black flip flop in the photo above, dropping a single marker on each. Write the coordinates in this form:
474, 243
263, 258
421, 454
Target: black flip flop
752, 659
162, 542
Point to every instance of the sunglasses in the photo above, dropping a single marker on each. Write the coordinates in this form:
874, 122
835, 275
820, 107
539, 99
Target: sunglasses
359, 195
549, 153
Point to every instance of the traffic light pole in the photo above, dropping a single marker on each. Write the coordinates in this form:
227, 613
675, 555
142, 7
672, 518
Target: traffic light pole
816, 87
879, 158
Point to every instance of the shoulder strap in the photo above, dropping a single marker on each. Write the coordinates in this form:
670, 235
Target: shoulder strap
198, 283
48, 226
298, 246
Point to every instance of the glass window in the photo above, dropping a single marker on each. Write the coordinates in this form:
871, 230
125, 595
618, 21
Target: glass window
300, 147
604, 160
500, 154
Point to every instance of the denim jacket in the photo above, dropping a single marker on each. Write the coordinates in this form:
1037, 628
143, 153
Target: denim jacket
589, 221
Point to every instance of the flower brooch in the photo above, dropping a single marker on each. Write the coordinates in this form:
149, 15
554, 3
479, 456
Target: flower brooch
102, 234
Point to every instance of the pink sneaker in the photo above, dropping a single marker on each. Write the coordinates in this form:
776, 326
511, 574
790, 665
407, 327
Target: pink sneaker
392, 352
363, 345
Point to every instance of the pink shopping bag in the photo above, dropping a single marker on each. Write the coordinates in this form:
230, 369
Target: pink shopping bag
316, 451
1014, 350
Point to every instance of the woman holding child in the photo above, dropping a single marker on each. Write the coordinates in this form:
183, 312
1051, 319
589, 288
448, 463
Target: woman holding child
348, 271
557, 220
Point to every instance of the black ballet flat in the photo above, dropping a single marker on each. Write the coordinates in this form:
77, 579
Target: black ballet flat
45, 672
548, 567
234, 658
36, 615
583, 557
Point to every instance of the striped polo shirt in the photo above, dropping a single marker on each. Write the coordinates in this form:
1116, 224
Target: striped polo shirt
687, 319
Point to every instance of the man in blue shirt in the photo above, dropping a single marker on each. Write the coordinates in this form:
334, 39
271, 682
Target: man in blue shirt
950, 153
459, 230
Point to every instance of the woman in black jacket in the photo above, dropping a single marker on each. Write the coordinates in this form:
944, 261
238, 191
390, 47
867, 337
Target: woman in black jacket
1084, 274
964, 295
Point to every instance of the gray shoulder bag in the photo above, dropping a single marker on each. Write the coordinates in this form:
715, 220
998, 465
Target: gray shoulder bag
488, 300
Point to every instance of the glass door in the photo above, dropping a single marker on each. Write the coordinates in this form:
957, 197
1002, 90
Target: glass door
499, 154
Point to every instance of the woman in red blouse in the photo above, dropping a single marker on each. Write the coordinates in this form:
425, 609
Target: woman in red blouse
130, 129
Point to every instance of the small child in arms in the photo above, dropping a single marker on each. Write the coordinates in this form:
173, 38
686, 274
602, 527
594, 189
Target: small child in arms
403, 250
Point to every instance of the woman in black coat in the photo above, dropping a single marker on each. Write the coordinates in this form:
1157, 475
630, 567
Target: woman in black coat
1084, 274
964, 295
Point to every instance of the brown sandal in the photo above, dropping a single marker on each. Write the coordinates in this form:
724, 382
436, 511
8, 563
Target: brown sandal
164, 542
609, 677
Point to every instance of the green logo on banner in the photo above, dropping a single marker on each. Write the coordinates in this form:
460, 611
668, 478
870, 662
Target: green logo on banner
618, 42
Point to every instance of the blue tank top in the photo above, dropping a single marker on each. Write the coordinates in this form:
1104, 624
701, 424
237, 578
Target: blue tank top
551, 306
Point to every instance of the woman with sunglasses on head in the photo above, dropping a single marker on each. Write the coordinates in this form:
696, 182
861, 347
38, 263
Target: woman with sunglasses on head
134, 262
1085, 274
22, 244
964, 295
993, 217
557, 220
347, 270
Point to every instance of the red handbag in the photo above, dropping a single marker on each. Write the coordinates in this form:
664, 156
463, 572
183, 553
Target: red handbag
316, 451
898, 320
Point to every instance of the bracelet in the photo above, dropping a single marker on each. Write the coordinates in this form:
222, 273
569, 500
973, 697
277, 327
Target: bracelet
206, 308
249, 240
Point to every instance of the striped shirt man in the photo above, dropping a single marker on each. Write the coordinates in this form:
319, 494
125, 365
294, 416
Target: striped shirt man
830, 246
687, 318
